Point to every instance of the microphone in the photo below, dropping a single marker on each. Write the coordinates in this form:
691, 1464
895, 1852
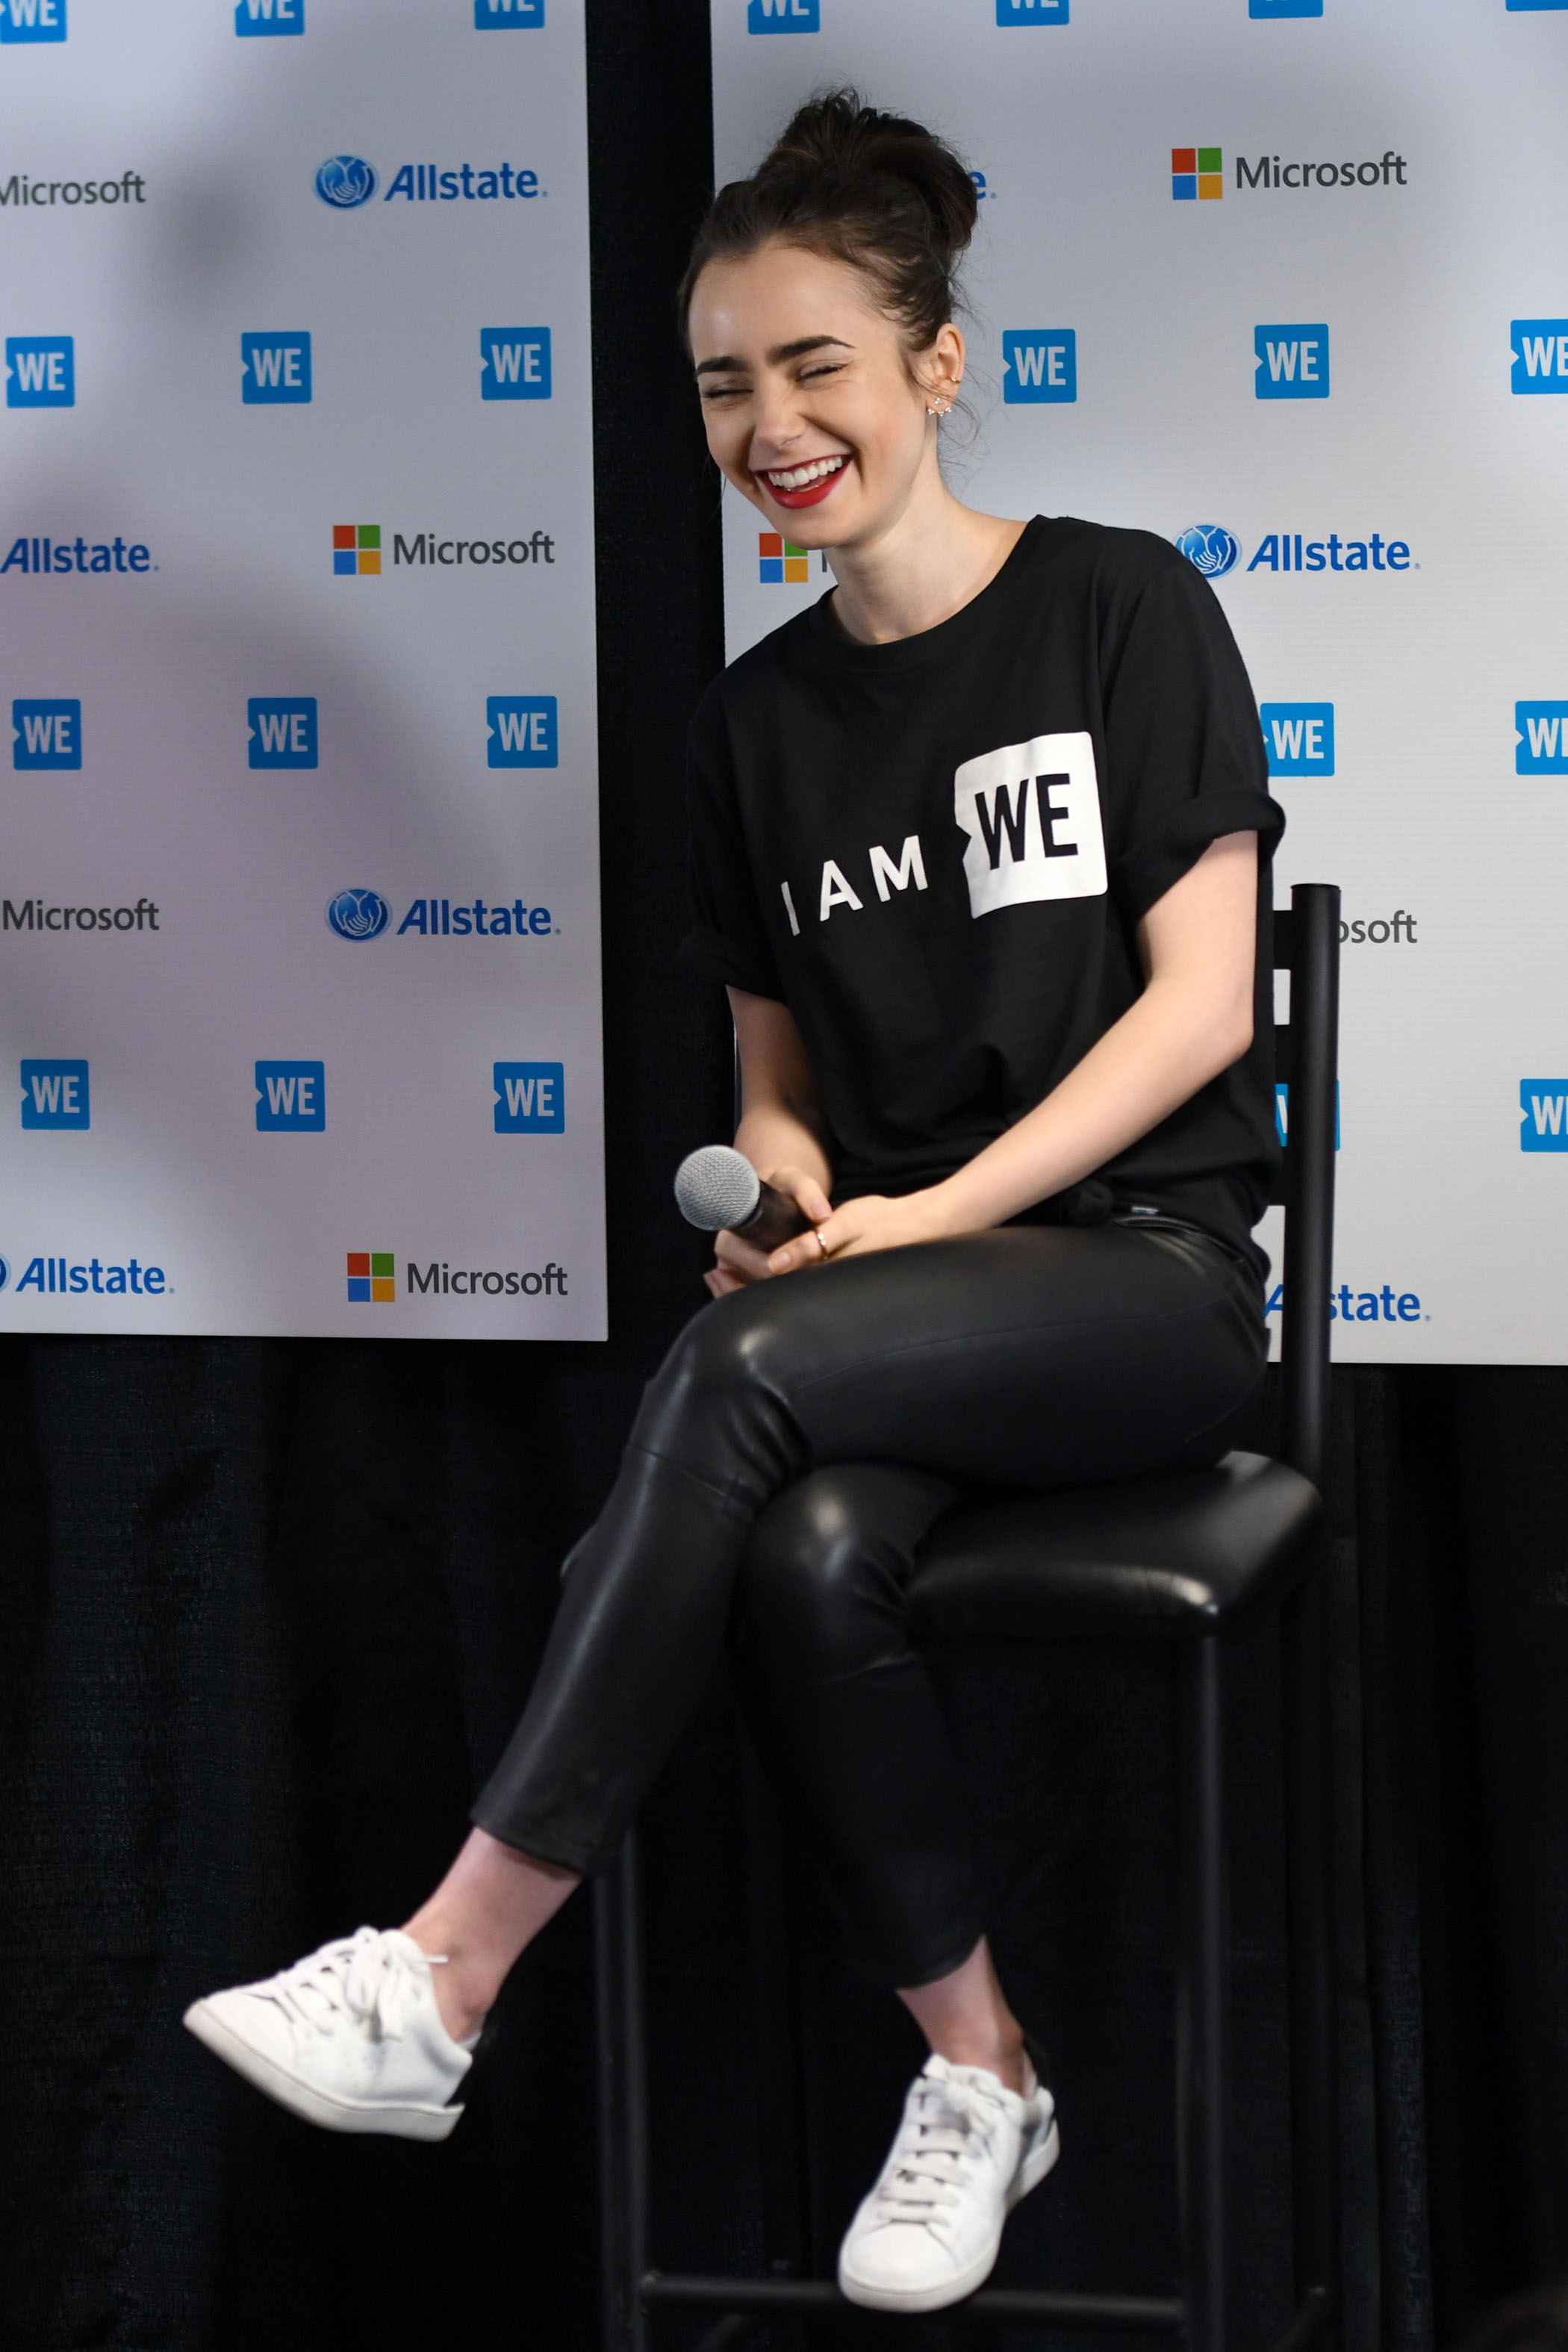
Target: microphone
718, 1186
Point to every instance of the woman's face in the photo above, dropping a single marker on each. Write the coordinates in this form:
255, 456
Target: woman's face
807, 395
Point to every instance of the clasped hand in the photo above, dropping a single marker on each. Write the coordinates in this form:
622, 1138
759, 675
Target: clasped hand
871, 1222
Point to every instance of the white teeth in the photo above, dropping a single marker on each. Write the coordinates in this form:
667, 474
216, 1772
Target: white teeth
799, 477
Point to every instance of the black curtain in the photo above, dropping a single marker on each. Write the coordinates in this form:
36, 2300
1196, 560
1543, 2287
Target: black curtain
271, 1607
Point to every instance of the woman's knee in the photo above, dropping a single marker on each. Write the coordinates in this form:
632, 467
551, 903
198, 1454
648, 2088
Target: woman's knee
823, 1576
715, 1408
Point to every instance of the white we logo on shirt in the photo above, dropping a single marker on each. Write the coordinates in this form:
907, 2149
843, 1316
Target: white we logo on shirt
1031, 814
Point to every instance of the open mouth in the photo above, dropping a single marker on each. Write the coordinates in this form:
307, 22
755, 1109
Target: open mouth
804, 485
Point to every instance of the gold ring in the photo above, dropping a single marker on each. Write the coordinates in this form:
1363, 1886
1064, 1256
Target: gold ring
821, 1245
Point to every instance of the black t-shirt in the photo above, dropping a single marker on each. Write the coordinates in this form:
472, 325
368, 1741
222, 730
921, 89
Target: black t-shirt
936, 852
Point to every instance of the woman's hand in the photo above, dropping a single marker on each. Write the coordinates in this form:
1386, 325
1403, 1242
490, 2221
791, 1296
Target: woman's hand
872, 1222
739, 1262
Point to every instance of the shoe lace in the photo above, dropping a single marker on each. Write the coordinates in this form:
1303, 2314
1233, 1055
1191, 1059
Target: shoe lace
946, 2124
363, 1976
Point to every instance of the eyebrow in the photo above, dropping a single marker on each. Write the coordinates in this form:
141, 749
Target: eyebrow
780, 353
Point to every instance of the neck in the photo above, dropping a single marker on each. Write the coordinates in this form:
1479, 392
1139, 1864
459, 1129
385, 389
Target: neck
920, 569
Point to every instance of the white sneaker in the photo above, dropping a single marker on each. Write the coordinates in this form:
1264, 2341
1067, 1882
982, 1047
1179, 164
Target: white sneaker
350, 2037
967, 2151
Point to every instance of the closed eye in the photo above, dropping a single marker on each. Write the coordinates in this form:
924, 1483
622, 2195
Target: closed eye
735, 391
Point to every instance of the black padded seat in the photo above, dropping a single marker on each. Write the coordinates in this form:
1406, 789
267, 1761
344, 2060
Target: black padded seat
1168, 1558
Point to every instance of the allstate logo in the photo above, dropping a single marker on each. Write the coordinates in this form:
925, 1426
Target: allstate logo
5, 1272
1210, 549
358, 914
345, 181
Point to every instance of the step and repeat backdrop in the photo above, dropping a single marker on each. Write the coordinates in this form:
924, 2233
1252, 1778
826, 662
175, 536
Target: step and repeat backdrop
299, 887
1287, 283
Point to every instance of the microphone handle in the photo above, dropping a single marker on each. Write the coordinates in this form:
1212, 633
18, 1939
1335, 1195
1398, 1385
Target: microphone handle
774, 1221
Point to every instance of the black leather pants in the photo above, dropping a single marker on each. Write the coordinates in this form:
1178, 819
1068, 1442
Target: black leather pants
789, 1454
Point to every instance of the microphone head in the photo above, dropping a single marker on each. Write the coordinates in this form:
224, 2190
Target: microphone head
717, 1186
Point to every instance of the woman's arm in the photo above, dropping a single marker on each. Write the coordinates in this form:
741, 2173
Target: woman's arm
1192, 1019
782, 1130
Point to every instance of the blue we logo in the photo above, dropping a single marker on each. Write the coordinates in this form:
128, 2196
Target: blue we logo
1540, 348
514, 363
522, 730
56, 1094
1299, 738
506, 16
49, 734
290, 1098
261, 20
1292, 362
783, 17
32, 20
1032, 12
530, 1098
1541, 738
283, 731
40, 371
1039, 364
274, 368
1542, 1124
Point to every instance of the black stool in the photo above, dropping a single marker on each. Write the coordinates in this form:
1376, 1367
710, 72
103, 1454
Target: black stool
1174, 1561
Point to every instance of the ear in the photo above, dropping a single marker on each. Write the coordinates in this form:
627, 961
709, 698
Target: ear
939, 372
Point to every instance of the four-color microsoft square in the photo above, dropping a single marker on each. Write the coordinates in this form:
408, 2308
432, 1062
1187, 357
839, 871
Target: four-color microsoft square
780, 562
1197, 172
371, 1278
356, 547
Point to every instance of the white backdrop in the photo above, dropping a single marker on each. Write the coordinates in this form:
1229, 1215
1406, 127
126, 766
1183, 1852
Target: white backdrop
1343, 390
297, 641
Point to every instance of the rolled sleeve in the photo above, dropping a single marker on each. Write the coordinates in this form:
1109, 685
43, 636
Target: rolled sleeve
1183, 742
728, 940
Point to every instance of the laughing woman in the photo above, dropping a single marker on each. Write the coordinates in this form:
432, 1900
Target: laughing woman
980, 848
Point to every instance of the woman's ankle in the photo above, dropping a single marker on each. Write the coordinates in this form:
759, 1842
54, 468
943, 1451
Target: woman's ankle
487, 1910
465, 1993
1002, 2055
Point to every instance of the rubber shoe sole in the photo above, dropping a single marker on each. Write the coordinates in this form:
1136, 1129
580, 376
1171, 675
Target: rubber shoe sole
405, 2120
1030, 2174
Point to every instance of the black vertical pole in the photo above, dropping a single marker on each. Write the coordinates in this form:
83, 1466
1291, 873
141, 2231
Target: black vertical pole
779, 2060
1202, 2017
1308, 1274
623, 2102
1310, 1222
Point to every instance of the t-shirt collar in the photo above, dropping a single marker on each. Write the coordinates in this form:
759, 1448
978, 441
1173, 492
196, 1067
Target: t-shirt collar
927, 646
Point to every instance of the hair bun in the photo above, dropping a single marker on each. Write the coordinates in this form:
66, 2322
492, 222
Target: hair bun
875, 190
838, 136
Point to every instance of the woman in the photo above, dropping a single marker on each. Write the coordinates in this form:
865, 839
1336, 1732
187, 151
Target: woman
978, 844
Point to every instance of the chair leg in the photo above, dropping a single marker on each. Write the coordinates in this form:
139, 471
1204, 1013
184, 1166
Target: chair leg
622, 2102
1309, 1800
1202, 2000
780, 2064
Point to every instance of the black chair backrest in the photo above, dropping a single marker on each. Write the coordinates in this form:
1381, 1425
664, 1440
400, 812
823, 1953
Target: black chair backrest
1307, 946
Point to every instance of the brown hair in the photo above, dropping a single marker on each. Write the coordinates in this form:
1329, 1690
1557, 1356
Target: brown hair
871, 189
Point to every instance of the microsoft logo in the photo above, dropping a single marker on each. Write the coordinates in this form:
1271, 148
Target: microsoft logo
1197, 171
356, 548
781, 561
373, 1277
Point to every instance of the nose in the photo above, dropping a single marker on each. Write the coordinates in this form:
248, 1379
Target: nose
778, 423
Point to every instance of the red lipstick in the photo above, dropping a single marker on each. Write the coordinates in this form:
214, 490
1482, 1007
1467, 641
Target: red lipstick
811, 496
